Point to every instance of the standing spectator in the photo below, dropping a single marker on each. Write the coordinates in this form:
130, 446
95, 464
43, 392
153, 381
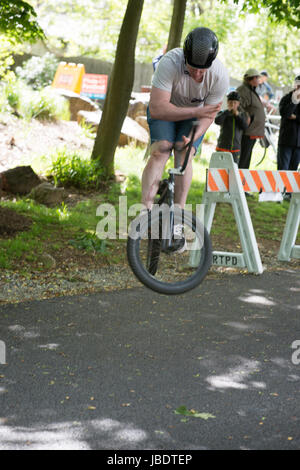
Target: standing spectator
233, 122
157, 58
264, 89
253, 106
265, 92
288, 156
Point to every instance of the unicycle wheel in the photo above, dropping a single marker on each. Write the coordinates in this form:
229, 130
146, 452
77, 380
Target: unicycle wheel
167, 271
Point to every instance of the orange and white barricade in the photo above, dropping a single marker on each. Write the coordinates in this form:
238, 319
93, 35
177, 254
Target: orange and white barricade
227, 183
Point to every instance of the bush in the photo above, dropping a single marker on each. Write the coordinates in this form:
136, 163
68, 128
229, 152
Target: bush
38, 72
44, 104
9, 94
19, 98
71, 169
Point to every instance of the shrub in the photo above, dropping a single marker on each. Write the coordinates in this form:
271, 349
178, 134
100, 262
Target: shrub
19, 98
9, 94
44, 104
71, 169
38, 72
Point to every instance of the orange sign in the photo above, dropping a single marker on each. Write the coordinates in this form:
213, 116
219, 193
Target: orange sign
69, 76
94, 85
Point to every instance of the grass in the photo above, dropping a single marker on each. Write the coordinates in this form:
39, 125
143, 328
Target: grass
53, 229
68, 232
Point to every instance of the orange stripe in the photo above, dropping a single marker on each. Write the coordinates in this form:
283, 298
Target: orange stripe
297, 178
271, 179
257, 180
226, 150
225, 177
211, 183
286, 181
244, 181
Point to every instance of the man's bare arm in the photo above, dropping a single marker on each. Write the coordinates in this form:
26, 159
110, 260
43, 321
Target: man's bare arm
161, 108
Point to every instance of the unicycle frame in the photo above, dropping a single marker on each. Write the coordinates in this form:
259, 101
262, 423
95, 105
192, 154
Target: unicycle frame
169, 195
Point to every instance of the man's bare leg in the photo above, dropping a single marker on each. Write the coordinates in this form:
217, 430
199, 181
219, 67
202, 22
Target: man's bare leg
160, 153
183, 183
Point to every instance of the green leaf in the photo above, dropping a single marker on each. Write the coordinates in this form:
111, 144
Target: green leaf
182, 410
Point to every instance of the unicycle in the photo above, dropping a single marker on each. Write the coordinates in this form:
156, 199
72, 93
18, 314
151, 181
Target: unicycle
163, 258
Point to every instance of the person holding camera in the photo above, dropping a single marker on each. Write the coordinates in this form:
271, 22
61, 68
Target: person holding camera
233, 122
288, 155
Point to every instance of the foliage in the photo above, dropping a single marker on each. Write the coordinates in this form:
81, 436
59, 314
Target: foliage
281, 11
38, 72
6, 59
17, 24
51, 233
182, 410
19, 98
89, 242
97, 24
275, 48
18, 21
43, 104
223, 22
70, 169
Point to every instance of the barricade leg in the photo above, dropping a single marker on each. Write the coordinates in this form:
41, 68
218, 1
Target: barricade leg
288, 249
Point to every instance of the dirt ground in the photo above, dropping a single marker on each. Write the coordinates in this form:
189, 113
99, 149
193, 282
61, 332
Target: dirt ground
11, 222
20, 141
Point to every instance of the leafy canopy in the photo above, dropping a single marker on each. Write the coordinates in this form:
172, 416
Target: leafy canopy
281, 11
18, 21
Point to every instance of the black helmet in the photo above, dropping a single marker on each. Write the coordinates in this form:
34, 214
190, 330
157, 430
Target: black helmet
233, 96
200, 48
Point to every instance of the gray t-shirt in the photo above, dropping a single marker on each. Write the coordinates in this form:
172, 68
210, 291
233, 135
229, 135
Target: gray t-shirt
171, 75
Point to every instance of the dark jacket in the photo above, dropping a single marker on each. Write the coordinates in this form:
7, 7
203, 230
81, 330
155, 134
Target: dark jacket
232, 128
251, 103
289, 133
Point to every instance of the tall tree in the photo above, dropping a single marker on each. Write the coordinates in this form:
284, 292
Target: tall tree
119, 90
176, 24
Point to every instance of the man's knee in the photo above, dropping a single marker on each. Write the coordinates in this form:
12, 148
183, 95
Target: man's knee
161, 149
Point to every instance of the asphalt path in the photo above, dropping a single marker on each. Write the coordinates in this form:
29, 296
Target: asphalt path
109, 370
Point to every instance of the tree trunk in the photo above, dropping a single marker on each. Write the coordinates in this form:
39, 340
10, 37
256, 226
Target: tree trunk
176, 24
119, 90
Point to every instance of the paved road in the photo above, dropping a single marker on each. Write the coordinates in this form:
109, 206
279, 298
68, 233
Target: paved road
108, 371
